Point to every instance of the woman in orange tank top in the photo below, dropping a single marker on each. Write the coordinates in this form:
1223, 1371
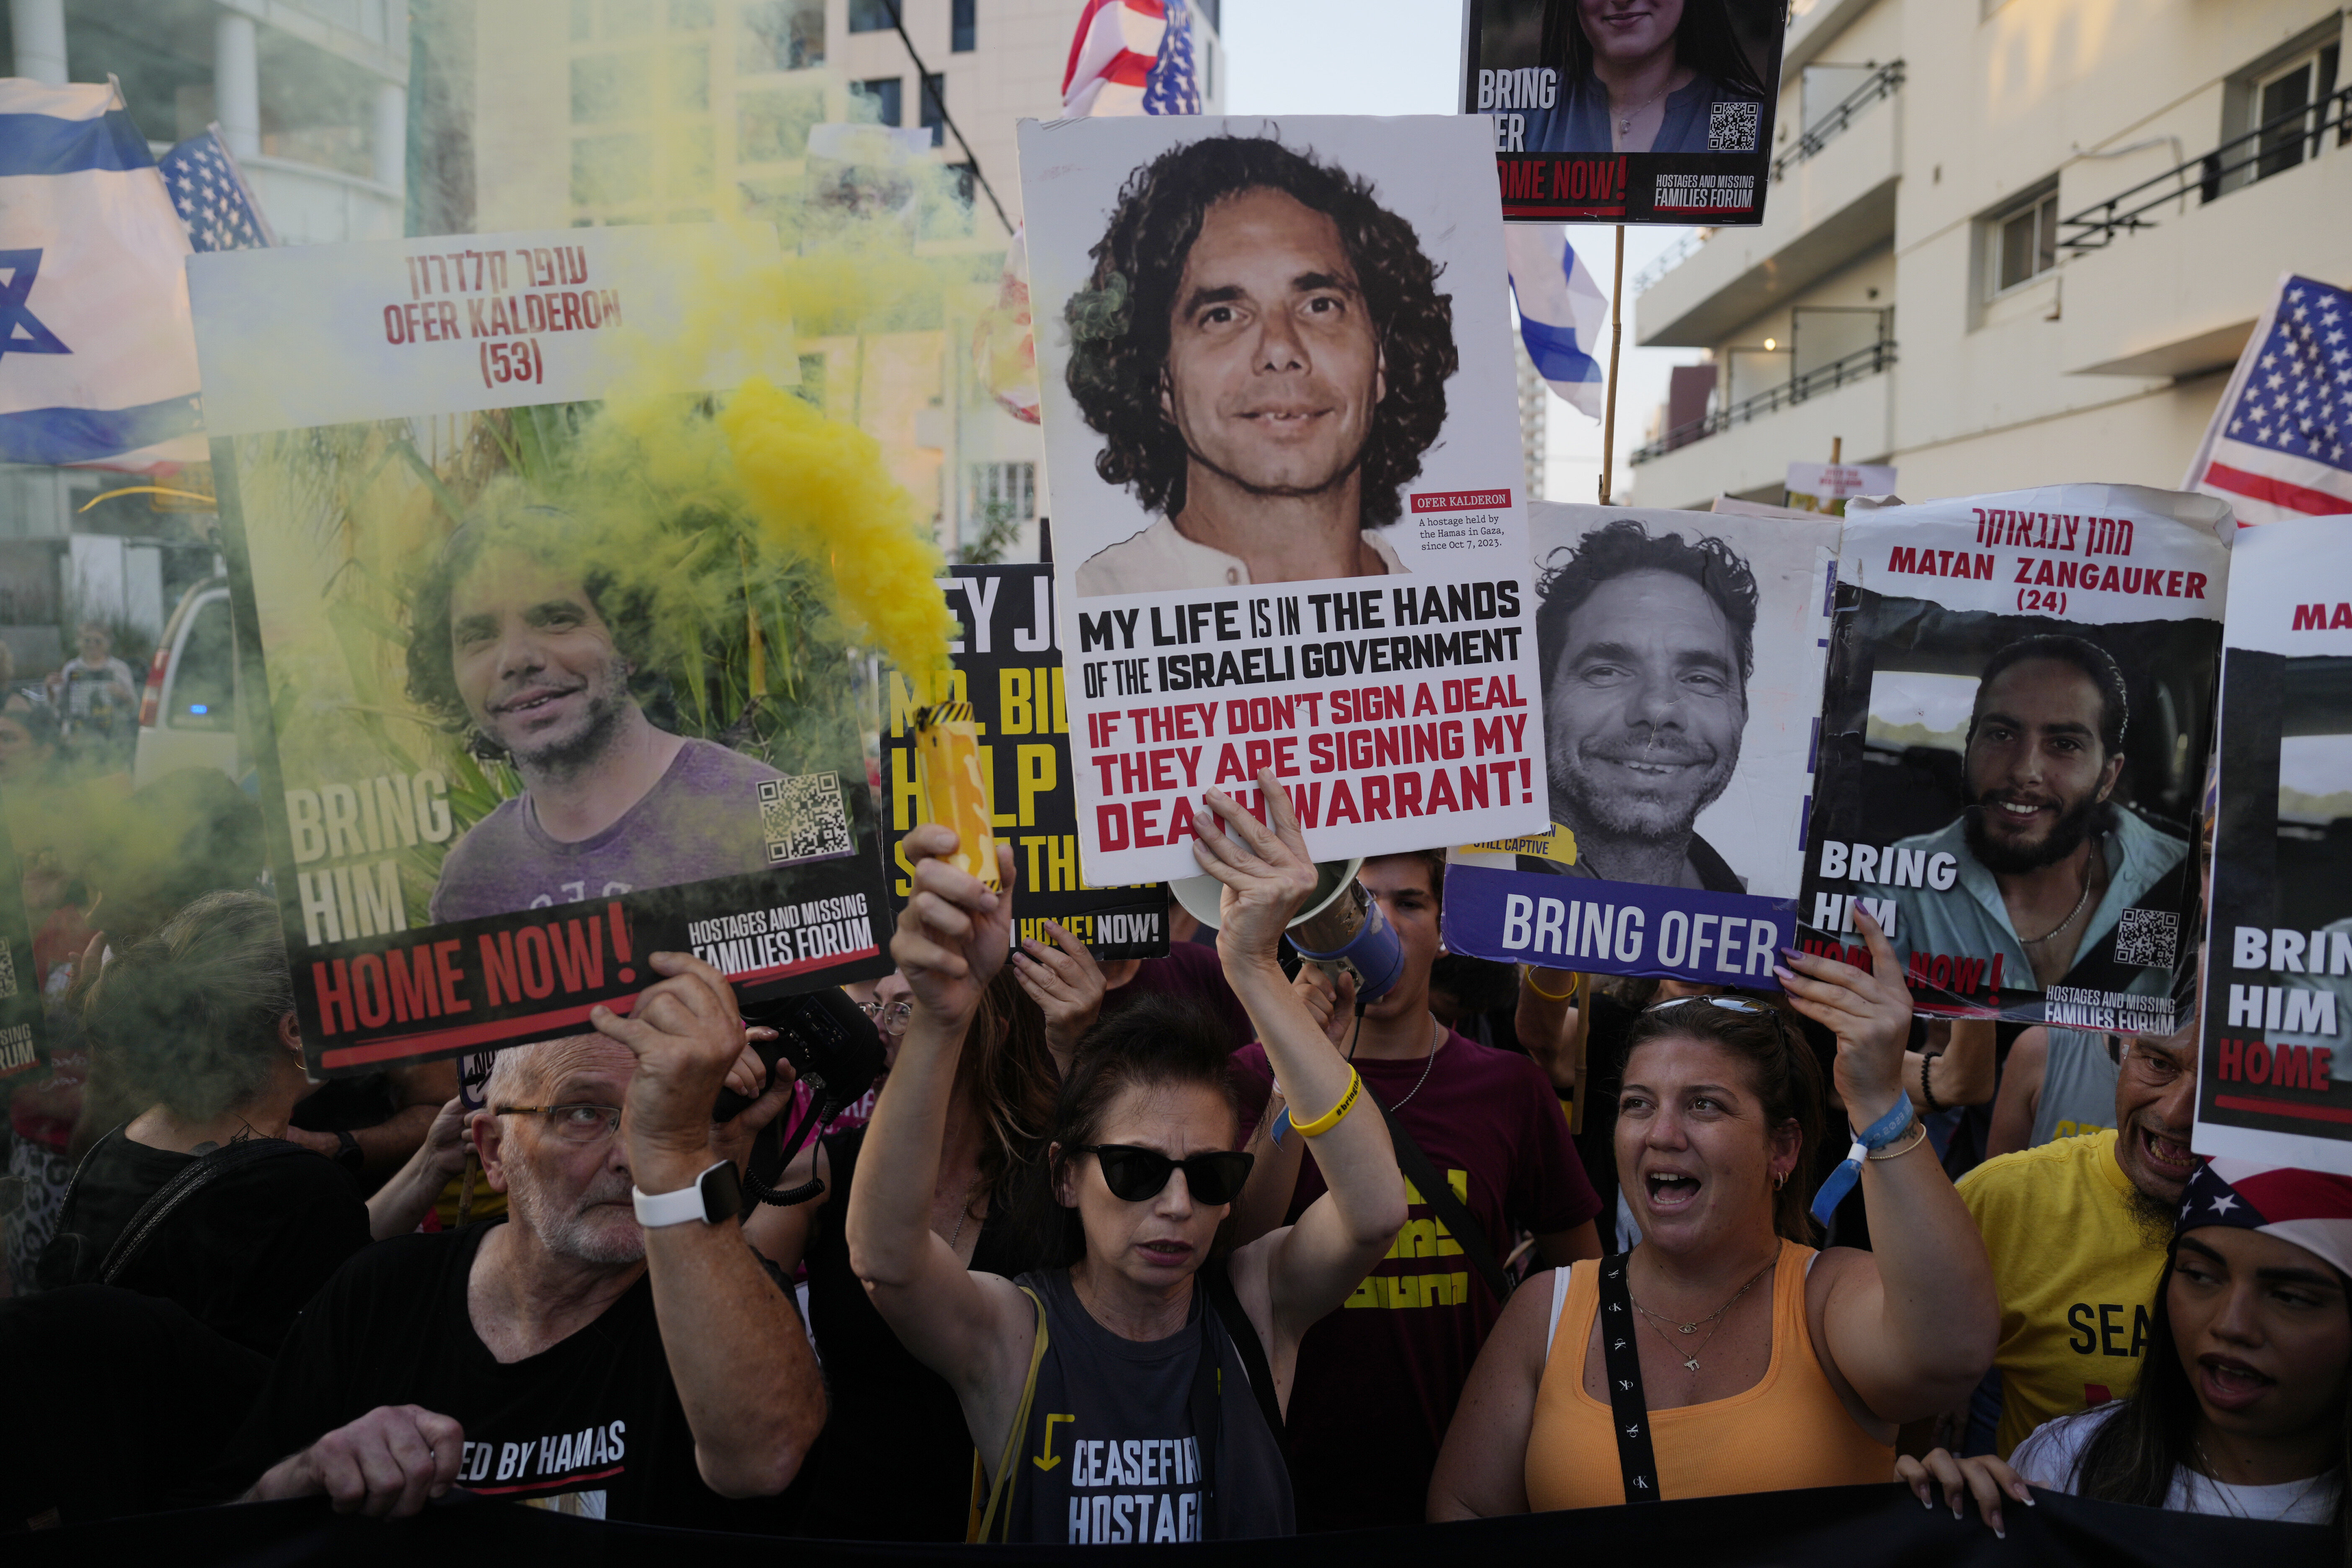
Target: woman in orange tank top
1762, 1364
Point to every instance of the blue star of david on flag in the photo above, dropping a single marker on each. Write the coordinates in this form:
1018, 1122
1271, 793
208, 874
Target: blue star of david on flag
21, 331
208, 190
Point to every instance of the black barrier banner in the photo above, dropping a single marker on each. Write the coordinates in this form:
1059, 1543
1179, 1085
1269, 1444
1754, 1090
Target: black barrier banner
1581, 134
1009, 668
1851, 1527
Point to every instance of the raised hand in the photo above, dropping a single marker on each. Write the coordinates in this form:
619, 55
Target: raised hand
1065, 981
687, 1035
1869, 1012
1266, 869
955, 932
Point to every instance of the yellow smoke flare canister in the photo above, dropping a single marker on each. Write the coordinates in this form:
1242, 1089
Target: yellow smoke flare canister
954, 788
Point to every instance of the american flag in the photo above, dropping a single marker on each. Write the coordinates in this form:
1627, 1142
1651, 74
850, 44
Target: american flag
2280, 442
216, 206
1132, 57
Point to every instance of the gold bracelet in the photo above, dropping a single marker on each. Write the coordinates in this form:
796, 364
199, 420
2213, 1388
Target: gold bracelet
1918, 1137
1331, 1118
1528, 973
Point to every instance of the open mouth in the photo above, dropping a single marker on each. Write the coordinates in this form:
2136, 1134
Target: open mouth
2169, 1157
532, 702
1670, 1191
2016, 813
2229, 1383
1173, 1253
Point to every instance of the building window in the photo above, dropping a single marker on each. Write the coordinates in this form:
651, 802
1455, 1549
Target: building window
963, 26
2023, 243
935, 106
1004, 491
872, 16
880, 97
781, 35
2282, 103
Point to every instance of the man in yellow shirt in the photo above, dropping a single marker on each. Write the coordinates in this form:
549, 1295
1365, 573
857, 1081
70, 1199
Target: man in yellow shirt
2077, 1231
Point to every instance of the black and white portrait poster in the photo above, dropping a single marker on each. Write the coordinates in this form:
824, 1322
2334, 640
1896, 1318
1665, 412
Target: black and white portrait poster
2274, 1083
2017, 719
1008, 667
1630, 111
1681, 655
518, 724
1282, 443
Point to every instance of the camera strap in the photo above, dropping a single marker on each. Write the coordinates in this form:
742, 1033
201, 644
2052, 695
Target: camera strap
772, 1150
1629, 1407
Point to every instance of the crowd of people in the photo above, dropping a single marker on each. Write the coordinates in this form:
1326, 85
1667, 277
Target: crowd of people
1183, 1248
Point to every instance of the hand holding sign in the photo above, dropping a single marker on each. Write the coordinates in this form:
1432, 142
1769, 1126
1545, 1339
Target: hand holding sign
1869, 1010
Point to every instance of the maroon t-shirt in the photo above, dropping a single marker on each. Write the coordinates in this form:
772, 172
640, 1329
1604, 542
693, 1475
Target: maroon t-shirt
1378, 1379
1192, 970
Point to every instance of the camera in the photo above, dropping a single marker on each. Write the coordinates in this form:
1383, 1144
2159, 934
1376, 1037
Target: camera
833, 1048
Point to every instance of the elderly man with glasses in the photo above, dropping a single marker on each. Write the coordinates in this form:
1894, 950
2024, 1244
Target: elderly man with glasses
2077, 1230
614, 1348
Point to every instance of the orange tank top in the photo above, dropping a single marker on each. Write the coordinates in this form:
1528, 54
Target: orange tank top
1789, 1431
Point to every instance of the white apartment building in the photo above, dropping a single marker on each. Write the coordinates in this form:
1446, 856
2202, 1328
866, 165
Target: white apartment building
2007, 242
593, 112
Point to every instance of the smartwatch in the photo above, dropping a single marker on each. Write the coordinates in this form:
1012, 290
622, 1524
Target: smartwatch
716, 1197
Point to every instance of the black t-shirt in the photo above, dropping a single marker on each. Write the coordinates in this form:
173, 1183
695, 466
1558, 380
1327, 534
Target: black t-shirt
590, 1425
894, 1462
242, 1255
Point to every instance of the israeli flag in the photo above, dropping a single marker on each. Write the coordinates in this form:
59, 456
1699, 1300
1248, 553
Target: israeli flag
1562, 312
97, 360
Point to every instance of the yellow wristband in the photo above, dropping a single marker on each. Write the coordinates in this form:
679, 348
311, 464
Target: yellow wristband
1527, 971
1331, 1118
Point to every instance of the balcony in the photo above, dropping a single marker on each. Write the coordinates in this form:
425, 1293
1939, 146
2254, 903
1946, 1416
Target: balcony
1832, 197
1750, 443
2161, 280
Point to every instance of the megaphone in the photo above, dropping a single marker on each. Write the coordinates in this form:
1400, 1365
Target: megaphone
1340, 928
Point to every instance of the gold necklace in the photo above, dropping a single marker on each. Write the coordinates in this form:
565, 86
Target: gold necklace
2061, 925
1690, 1358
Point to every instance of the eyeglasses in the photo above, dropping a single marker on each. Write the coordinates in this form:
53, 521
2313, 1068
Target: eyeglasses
2156, 1066
890, 1017
1137, 1175
572, 1123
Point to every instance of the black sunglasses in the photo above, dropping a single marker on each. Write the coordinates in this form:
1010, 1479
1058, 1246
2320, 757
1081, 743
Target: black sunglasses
1137, 1175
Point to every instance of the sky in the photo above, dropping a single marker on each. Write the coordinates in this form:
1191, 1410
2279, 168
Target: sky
1403, 57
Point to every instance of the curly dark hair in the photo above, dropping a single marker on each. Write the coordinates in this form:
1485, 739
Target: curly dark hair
552, 535
1626, 546
1118, 324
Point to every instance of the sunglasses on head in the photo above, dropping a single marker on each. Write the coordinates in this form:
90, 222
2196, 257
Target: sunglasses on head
1137, 1175
1730, 1005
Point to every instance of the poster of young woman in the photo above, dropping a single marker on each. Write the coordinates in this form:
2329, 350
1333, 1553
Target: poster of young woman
2018, 712
1628, 111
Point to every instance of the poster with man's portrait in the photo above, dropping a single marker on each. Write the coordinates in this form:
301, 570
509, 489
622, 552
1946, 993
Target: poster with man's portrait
1630, 110
1682, 655
523, 713
2019, 710
2274, 1080
1283, 445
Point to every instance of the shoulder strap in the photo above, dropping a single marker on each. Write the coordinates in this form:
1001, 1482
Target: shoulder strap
1451, 1211
995, 1523
1249, 1347
197, 1174
1621, 1359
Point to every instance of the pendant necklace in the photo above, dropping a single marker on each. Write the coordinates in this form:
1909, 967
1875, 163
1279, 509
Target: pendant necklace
1690, 1358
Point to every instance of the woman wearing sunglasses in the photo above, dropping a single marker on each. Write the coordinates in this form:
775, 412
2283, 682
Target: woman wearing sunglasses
1133, 1394
1722, 1353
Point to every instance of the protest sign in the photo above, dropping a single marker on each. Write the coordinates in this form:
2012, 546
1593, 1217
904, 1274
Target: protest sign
1283, 448
1827, 487
1008, 666
523, 716
1595, 126
1682, 655
2274, 1081
2018, 711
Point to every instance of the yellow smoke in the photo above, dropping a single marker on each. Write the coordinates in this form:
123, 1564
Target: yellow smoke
819, 490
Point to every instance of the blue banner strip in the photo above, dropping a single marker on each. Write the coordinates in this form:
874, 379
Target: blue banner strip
45, 144
86, 435
1596, 927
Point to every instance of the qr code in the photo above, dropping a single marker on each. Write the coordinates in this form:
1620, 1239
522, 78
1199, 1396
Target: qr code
804, 818
8, 972
2150, 937
1731, 127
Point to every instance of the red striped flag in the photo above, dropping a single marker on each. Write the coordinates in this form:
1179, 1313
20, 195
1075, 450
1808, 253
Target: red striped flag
2280, 442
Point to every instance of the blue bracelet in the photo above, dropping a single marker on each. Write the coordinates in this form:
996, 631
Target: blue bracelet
1281, 1125
1877, 1135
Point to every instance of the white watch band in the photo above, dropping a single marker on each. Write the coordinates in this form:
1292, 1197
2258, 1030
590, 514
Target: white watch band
656, 1210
